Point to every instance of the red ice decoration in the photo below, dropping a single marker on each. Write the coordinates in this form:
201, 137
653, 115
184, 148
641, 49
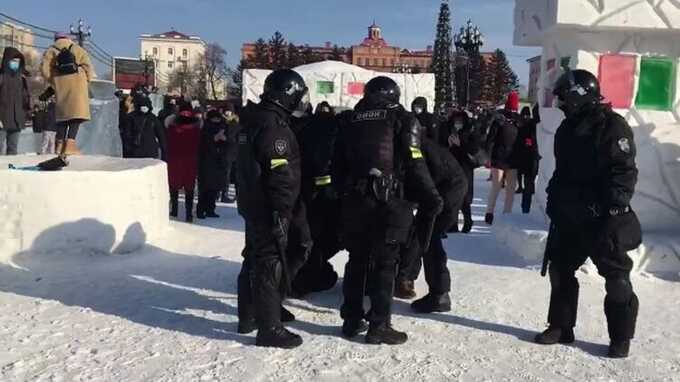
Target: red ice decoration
355, 88
617, 79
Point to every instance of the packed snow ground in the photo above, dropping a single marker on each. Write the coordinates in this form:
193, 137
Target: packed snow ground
168, 313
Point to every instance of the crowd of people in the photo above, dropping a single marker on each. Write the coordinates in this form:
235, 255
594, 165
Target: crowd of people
384, 183
388, 185
199, 147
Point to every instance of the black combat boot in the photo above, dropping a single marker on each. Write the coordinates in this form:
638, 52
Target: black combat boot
246, 326
174, 203
189, 205
619, 349
352, 328
467, 225
554, 335
488, 218
405, 289
432, 303
286, 315
385, 334
277, 337
212, 214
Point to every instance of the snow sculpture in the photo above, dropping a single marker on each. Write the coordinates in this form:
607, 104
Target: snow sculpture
342, 85
98, 203
632, 45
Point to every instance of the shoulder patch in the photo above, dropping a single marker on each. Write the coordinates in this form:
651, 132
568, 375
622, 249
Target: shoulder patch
624, 145
370, 115
280, 146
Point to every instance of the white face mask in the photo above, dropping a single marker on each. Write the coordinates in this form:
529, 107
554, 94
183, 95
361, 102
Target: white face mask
144, 109
418, 110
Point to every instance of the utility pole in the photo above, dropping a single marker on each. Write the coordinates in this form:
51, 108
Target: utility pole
82, 32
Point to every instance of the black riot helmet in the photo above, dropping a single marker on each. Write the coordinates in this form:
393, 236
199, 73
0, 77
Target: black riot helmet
285, 88
384, 88
576, 89
419, 105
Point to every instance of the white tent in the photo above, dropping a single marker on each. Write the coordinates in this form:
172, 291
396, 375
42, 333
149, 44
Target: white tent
341, 84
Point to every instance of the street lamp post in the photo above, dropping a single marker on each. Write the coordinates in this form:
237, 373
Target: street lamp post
81, 32
468, 41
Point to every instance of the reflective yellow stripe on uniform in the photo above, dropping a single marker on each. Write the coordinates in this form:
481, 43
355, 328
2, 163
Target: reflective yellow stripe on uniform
322, 180
278, 163
416, 153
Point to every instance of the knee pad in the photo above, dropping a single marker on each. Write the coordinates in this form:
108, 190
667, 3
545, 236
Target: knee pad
619, 289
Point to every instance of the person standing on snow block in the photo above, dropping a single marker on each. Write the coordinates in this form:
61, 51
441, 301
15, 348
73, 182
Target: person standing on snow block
379, 155
184, 137
15, 100
268, 177
68, 69
589, 206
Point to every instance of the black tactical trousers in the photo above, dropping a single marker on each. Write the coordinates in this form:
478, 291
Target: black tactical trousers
527, 181
260, 281
466, 207
206, 201
317, 274
372, 262
574, 246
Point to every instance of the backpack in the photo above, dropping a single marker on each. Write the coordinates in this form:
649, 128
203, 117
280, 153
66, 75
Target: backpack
66, 61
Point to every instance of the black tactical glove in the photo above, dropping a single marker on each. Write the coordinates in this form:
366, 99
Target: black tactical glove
49, 92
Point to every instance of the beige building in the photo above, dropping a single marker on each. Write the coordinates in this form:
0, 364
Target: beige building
20, 38
171, 51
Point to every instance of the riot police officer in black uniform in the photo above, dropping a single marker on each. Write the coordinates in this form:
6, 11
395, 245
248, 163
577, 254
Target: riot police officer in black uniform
268, 177
317, 143
589, 204
379, 154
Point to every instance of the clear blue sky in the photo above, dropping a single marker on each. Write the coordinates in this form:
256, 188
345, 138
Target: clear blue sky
117, 24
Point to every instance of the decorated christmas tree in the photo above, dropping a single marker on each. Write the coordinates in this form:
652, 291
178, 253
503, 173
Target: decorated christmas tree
441, 59
500, 78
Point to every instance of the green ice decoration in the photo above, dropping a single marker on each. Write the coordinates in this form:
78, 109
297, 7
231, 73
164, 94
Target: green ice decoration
656, 88
325, 87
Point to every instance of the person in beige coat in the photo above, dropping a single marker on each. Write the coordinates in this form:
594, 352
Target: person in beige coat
71, 87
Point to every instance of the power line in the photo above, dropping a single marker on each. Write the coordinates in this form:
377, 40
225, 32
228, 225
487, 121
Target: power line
98, 48
93, 52
27, 24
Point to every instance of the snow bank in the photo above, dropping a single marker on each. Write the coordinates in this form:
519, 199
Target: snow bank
97, 203
341, 84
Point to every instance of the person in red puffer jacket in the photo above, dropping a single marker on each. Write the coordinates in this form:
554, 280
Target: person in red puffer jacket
184, 137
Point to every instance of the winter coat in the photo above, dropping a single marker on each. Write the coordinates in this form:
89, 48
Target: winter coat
212, 158
15, 99
233, 129
525, 152
184, 138
501, 139
466, 152
595, 168
143, 136
72, 91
